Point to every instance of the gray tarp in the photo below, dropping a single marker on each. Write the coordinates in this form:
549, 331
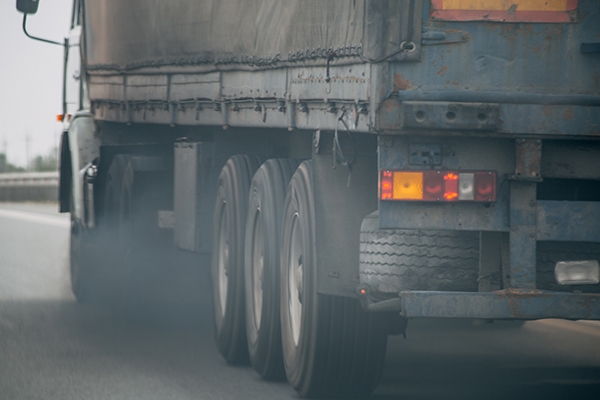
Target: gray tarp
131, 34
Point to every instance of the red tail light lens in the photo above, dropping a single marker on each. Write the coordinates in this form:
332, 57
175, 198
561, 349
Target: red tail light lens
447, 186
485, 186
433, 185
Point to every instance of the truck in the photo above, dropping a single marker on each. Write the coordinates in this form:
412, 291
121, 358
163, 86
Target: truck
345, 165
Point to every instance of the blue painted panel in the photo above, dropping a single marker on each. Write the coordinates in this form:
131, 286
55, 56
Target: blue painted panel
522, 254
510, 57
577, 221
452, 216
513, 117
560, 120
537, 72
502, 304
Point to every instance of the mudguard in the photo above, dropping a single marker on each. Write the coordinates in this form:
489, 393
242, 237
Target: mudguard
80, 146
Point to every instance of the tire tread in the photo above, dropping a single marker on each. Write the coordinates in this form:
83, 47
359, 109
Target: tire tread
392, 260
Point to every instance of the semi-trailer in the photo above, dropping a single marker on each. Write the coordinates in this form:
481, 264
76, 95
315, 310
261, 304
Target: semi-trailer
347, 165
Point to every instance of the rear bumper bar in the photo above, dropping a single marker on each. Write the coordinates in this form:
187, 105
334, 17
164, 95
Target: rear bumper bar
501, 304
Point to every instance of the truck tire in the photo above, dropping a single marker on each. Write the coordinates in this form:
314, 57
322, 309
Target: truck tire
261, 264
227, 264
392, 260
331, 347
82, 264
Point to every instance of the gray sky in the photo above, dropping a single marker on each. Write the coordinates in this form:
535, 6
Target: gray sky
31, 78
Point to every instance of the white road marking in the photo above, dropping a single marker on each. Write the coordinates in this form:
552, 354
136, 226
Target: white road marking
61, 222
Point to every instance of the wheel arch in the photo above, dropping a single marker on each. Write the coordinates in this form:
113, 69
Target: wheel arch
80, 146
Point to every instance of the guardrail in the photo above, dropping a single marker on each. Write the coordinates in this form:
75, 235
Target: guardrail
29, 186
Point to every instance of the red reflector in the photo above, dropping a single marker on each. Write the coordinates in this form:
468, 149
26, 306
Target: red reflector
386, 184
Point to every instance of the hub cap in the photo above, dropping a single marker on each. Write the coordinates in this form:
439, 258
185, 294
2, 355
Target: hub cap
223, 254
295, 277
258, 262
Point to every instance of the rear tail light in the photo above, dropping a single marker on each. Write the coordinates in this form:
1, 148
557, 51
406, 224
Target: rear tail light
449, 186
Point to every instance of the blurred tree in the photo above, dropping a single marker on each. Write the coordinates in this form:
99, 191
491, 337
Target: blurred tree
5, 166
49, 162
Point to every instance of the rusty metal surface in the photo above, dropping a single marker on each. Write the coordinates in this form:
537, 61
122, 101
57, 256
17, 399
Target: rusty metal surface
454, 216
502, 304
554, 116
444, 115
522, 235
544, 88
527, 58
571, 159
528, 159
537, 73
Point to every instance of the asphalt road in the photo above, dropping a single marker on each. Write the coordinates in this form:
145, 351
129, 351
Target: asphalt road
53, 348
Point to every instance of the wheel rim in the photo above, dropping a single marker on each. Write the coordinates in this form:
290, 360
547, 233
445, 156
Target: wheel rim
257, 267
295, 276
223, 258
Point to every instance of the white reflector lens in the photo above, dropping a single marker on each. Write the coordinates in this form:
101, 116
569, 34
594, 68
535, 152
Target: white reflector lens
577, 272
466, 186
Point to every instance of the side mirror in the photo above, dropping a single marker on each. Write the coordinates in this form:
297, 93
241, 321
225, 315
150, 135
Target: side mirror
28, 6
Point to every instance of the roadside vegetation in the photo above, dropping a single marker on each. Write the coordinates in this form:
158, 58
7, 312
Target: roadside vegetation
40, 163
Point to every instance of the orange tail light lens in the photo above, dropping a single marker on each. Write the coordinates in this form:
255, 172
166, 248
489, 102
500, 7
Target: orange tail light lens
408, 185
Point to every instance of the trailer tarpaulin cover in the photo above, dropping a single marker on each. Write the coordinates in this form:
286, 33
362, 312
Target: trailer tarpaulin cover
133, 34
